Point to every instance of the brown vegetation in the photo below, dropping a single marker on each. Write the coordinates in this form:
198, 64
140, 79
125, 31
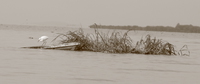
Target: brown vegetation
154, 46
117, 42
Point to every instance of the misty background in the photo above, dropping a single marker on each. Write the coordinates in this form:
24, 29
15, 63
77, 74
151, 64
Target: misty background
105, 12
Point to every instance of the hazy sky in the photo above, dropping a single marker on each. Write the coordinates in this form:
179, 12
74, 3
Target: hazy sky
108, 12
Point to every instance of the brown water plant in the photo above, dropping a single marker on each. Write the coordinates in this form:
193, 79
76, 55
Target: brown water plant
154, 46
117, 42
74, 36
114, 42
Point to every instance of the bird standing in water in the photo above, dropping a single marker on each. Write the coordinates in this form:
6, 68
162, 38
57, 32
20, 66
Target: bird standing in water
43, 39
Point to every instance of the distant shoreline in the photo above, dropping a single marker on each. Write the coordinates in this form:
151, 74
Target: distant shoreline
31, 25
177, 28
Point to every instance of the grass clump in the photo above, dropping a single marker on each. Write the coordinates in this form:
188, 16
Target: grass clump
75, 36
117, 42
154, 46
114, 42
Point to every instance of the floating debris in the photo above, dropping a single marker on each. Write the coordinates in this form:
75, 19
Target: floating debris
68, 46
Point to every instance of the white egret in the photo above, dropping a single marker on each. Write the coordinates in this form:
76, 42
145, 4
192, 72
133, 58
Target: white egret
43, 39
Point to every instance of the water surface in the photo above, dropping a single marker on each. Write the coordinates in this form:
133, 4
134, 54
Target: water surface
38, 66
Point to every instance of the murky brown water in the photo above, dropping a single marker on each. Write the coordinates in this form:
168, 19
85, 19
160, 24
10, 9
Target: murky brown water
36, 66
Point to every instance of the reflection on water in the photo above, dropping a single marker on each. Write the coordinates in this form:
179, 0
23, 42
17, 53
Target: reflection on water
37, 66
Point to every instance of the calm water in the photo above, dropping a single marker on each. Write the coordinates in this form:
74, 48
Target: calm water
37, 66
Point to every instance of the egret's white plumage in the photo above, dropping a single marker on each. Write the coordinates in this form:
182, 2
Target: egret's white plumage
43, 39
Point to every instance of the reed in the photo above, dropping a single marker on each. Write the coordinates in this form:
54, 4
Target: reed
75, 36
116, 42
154, 46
